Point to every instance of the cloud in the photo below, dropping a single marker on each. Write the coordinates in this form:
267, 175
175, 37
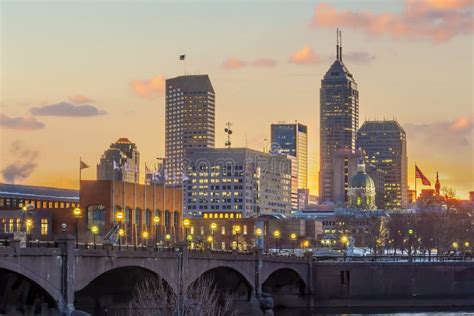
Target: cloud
234, 63
306, 55
149, 88
20, 123
358, 57
24, 163
437, 20
67, 109
80, 99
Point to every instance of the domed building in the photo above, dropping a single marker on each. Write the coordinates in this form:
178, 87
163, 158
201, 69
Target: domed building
361, 192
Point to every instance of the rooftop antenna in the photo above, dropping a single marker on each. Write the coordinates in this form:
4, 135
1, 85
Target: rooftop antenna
340, 45
228, 131
337, 44
264, 145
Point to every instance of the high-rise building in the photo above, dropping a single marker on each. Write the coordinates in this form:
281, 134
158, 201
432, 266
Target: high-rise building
190, 120
384, 143
121, 162
236, 182
339, 120
292, 140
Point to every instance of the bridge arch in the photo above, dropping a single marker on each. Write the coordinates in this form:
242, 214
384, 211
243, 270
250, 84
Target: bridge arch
25, 291
228, 279
287, 287
111, 291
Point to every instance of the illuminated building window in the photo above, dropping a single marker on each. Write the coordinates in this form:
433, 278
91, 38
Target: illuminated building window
44, 226
10, 225
245, 229
18, 224
223, 230
191, 231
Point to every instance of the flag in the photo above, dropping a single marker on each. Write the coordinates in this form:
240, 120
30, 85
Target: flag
184, 177
420, 175
116, 165
182, 57
83, 165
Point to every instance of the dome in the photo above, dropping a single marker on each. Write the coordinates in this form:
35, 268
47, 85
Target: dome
361, 179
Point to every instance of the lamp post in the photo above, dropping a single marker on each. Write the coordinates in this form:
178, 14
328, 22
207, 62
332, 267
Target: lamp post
119, 218
29, 225
258, 233
305, 244
210, 241
168, 239
145, 236
237, 231
156, 221
276, 234
94, 231
186, 224
344, 240
77, 214
455, 246
213, 228
293, 238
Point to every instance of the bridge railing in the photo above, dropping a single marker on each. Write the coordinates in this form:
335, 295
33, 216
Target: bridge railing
395, 259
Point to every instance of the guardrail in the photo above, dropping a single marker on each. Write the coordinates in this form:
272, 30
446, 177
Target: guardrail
391, 259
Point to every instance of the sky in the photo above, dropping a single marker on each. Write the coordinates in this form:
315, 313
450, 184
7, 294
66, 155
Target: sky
78, 75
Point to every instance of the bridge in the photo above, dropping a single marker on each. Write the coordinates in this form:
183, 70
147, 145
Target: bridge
100, 280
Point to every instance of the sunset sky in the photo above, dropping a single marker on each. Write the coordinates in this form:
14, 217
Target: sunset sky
77, 75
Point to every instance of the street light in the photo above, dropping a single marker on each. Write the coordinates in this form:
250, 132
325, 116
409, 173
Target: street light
145, 236
186, 224
77, 214
94, 231
344, 240
258, 233
293, 238
237, 231
276, 234
210, 240
213, 228
466, 244
156, 220
455, 246
29, 225
119, 218
168, 239
305, 244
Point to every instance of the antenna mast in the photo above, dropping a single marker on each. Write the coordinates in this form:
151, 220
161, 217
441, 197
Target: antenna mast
228, 131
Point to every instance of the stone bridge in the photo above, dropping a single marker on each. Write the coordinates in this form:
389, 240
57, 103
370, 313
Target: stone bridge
98, 280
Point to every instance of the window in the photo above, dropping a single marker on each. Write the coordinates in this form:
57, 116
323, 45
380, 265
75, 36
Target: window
10, 225
44, 226
137, 216
223, 230
18, 224
96, 216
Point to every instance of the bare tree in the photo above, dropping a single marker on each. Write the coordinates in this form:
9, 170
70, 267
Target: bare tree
200, 298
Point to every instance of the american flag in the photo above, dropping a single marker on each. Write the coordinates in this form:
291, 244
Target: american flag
420, 175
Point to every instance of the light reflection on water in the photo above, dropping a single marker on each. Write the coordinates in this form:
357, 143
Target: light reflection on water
315, 312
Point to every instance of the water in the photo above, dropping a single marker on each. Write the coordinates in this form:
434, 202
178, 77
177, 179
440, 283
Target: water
392, 311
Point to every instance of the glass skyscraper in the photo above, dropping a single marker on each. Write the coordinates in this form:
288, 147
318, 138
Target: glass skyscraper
339, 120
127, 161
384, 143
190, 120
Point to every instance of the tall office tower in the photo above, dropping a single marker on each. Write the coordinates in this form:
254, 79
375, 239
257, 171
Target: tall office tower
385, 145
339, 119
236, 182
292, 140
190, 120
121, 162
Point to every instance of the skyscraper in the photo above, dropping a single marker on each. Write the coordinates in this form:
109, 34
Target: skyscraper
190, 120
339, 119
120, 162
384, 143
292, 140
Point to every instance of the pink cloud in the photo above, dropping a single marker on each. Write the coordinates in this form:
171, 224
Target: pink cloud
149, 88
233, 63
80, 99
462, 124
306, 55
437, 20
20, 123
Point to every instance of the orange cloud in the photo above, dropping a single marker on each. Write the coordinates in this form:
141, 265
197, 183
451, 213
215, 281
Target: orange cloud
80, 99
233, 63
462, 124
438, 20
306, 55
149, 88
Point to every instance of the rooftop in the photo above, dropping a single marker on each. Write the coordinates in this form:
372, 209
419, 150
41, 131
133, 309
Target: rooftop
38, 193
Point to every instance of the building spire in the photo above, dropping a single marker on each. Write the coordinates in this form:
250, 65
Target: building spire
340, 45
437, 184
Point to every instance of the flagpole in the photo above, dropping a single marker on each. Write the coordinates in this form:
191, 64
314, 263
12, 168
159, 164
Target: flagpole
416, 194
80, 178
123, 206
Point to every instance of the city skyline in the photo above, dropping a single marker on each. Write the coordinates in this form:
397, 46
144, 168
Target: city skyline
278, 78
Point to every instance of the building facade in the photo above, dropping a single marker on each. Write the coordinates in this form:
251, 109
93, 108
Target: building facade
361, 192
384, 144
190, 120
237, 181
339, 120
101, 200
121, 162
292, 139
